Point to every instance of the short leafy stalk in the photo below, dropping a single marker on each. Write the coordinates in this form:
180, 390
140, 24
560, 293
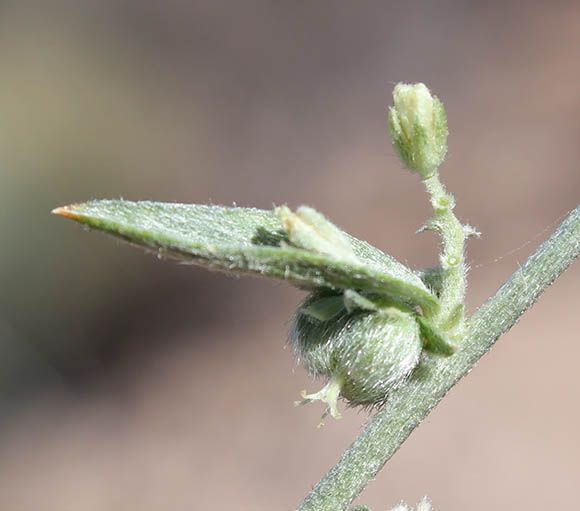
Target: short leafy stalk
379, 334
418, 125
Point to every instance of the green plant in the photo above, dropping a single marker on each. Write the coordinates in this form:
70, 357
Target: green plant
379, 334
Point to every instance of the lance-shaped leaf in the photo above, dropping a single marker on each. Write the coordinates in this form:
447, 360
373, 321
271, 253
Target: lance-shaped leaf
247, 240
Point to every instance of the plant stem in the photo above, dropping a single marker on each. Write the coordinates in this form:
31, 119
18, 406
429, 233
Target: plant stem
450, 315
434, 377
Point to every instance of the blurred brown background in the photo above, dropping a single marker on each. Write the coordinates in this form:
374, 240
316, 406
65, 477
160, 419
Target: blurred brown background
127, 383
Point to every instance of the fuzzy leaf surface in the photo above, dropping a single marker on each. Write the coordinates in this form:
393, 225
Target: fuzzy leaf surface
246, 240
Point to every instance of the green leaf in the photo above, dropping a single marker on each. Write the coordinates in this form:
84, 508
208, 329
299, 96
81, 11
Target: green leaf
247, 240
436, 341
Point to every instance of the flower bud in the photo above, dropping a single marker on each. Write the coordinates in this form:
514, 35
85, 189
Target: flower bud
418, 126
363, 354
310, 230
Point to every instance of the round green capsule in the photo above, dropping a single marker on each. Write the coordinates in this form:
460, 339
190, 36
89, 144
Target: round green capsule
364, 354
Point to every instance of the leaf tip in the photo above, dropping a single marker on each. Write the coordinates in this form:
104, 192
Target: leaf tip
66, 211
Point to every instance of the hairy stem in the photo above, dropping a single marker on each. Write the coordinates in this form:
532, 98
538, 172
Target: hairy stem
408, 406
450, 315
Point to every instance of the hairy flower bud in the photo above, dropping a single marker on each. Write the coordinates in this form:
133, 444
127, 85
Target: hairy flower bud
310, 230
418, 126
363, 354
